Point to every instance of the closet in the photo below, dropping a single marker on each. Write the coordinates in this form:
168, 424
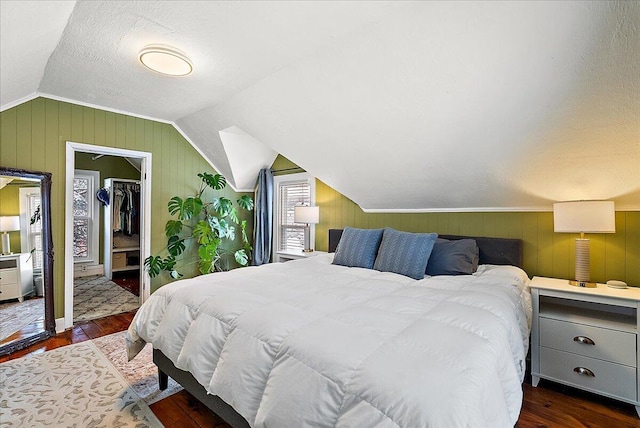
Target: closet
121, 226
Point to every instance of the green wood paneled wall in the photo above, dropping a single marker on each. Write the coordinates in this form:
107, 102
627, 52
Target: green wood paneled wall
10, 206
33, 136
613, 256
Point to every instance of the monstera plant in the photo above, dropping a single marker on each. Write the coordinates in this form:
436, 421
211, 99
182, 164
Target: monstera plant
209, 224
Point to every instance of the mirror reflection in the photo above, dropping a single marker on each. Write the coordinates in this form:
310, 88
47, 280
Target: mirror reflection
22, 285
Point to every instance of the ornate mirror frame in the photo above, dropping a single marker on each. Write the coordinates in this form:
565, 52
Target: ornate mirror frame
47, 265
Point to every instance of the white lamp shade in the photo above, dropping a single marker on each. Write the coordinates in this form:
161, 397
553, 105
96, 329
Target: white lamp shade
9, 223
309, 215
584, 216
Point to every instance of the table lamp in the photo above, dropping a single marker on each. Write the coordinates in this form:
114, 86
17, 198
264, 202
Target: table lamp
8, 224
584, 217
306, 215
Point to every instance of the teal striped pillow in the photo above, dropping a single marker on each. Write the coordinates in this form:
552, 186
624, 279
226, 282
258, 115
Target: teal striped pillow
404, 252
358, 247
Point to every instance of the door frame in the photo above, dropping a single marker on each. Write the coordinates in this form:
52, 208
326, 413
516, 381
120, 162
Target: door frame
145, 237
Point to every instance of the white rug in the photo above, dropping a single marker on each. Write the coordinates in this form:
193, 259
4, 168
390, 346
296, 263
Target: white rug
71, 386
15, 316
140, 372
97, 297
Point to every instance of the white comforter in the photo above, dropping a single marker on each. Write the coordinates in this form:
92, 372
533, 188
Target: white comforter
307, 343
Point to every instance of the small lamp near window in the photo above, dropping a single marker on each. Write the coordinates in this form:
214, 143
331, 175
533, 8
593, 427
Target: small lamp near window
584, 217
306, 215
8, 224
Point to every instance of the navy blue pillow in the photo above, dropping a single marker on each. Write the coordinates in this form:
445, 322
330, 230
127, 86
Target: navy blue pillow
457, 257
358, 247
404, 252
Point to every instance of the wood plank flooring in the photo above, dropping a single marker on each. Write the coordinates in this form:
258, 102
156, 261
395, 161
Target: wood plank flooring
548, 405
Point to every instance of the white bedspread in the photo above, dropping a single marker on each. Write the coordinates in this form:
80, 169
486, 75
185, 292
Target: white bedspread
307, 343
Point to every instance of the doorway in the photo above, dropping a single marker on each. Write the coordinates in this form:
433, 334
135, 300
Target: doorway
91, 284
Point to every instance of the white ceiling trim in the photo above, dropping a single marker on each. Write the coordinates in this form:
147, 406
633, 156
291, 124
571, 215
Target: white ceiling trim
118, 111
22, 100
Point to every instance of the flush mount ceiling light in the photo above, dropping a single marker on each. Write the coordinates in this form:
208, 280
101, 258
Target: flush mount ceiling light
165, 60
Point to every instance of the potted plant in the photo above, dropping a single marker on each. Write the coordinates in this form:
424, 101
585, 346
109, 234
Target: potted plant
210, 224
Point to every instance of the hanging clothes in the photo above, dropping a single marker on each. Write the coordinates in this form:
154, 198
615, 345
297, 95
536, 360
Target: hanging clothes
126, 208
118, 197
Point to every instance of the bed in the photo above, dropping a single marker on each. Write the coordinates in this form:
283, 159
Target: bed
310, 343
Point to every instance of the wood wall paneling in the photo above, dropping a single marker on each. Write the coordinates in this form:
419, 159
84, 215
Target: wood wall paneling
33, 136
546, 253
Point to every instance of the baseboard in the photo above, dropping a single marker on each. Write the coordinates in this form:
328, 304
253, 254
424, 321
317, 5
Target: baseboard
59, 325
81, 270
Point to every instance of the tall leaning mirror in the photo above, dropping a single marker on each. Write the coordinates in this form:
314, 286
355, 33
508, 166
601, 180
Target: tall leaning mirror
26, 262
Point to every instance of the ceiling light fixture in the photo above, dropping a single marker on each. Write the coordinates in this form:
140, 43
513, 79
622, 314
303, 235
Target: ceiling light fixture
165, 60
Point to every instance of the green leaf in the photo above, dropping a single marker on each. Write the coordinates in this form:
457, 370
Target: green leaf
169, 263
203, 232
243, 227
233, 215
185, 209
246, 202
175, 274
223, 206
175, 246
208, 257
224, 229
154, 265
216, 182
231, 232
173, 227
175, 205
241, 257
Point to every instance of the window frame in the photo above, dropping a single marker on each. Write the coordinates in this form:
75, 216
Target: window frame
94, 219
283, 180
27, 236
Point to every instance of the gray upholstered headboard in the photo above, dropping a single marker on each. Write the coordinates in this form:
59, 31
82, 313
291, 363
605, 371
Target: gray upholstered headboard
493, 251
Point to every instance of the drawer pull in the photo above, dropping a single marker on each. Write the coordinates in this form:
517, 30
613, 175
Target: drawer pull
584, 371
584, 340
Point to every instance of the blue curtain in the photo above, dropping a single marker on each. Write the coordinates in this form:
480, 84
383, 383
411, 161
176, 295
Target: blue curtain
263, 219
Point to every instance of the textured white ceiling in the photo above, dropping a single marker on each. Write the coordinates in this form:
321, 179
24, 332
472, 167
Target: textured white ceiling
397, 105
29, 32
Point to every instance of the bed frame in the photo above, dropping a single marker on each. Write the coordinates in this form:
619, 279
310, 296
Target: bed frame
497, 251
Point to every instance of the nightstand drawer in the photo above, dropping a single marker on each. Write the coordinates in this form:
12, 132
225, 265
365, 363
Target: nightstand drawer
609, 378
8, 276
602, 343
10, 291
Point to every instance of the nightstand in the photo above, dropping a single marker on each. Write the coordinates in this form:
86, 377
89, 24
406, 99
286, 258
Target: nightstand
586, 338
16, 276
285, 256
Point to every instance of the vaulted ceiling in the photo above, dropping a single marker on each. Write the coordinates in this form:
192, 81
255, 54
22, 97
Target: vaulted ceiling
410, 106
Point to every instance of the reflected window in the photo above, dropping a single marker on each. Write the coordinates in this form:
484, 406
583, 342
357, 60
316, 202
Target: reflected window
31, 219
85, 216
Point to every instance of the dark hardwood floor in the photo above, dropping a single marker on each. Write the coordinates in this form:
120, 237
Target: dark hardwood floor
548, 405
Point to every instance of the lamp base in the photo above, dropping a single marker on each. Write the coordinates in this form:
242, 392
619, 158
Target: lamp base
583, 284
6, 244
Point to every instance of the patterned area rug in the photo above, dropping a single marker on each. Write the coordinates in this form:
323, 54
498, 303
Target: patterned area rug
140, 372
71, 386
97, 297
15, 315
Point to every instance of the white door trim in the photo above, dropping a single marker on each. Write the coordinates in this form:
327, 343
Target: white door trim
145, 236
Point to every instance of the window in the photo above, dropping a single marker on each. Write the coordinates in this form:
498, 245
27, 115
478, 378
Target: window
291, 190
85, 216
31, 234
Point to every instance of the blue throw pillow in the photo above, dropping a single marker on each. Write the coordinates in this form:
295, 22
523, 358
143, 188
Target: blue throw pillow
358, 247
457, 257
405, 253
